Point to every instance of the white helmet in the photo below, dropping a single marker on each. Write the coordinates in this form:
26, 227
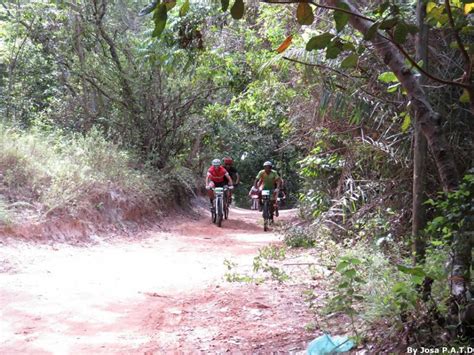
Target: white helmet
216, 162
267, 163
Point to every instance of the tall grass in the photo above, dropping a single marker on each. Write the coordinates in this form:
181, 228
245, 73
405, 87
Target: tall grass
58, 172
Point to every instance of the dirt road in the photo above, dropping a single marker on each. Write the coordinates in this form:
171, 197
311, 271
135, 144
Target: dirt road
161, 292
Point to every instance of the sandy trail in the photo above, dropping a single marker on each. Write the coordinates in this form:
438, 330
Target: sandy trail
161, 292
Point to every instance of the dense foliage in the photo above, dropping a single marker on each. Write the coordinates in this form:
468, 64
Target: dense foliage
136, 96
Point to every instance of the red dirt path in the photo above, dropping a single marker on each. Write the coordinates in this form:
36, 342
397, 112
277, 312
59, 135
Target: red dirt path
164, 291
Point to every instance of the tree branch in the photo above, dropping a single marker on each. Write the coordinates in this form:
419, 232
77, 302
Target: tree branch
462, 48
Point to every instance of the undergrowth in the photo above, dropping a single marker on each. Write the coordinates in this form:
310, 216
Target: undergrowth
51, 172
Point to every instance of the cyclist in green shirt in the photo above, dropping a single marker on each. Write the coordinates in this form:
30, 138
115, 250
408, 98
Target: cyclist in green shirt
268, 179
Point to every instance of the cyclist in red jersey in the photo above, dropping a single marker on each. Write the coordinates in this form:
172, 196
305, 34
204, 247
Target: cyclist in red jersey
216, 177
234, 174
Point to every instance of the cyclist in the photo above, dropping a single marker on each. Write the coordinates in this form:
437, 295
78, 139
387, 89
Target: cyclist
268, 179
234, 174
216, 177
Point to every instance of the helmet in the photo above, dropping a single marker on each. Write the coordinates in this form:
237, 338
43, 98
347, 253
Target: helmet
267, 163
216, 162
228, 160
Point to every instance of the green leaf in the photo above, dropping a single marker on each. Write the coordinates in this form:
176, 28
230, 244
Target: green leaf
341, 266
160, 16
392, 88
349, 47
225, 5
372, 31
354, 261
350, 61
184, 8
388, 24
304, 14
341, 18
388, 77
464, 98
237, 10
333, 50
319, 42
400, 33
415, 271
350, 273
406, 123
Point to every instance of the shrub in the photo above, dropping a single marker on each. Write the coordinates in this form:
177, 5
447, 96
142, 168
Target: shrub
71, 173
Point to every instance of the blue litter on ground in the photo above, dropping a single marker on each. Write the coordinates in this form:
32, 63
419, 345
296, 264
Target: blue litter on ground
326, 344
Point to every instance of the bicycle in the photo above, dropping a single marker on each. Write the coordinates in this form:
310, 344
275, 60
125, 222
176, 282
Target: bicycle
267, 210
220, 210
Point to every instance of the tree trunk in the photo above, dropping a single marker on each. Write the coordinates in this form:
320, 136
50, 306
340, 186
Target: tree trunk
419, 149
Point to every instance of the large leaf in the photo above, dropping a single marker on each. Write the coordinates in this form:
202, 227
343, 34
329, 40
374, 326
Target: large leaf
304, 14
333, 50
237, 10
468, 8
285, 44
184, 8
160, 16
350, 61
388, 77
319, 42
415, 271
400, 33
341, 18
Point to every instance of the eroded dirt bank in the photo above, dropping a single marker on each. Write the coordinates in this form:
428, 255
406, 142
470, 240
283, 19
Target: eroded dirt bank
164, 291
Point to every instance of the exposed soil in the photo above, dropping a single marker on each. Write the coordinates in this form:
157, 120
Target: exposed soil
160, 291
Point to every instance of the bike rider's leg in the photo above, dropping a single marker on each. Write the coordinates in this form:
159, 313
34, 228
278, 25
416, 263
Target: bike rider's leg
260, 203
275, 202
210, 193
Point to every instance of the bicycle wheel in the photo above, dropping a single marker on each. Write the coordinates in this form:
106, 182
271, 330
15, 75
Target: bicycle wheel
266, 215
226, 208
213, 214
219, 212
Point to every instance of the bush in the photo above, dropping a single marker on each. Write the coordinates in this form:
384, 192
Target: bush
57, 172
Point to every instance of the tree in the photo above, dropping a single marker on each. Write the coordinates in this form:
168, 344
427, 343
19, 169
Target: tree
387, 36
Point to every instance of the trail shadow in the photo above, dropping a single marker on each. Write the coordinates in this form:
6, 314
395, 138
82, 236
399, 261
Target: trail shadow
238, 224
